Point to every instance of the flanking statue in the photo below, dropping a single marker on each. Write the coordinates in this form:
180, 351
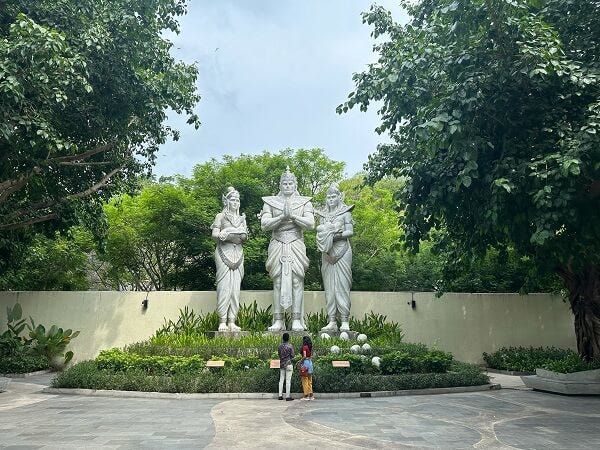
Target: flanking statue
287, 215
333, 240
230, 231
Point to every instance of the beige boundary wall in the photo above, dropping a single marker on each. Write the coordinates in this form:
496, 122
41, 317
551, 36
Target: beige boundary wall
464, 324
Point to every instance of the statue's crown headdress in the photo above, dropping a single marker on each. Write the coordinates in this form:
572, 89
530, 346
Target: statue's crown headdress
230, 192
287, 175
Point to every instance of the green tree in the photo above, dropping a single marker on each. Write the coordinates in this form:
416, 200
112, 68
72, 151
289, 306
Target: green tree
60, 263
84, 86
155, 238
494, 110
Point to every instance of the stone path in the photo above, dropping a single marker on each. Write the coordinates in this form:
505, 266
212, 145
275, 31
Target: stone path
507, 418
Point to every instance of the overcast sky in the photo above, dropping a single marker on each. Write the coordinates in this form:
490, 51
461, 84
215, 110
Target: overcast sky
271, 73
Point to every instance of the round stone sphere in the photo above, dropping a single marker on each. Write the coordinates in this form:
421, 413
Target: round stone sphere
361, 337
366, 347
344, 336
334, 349
376, 361
355, 348
325, 336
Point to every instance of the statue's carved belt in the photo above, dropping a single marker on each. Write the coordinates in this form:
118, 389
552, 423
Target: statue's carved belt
233, 265
287, 236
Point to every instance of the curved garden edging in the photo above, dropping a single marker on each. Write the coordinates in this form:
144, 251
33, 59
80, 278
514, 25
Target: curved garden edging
265, 395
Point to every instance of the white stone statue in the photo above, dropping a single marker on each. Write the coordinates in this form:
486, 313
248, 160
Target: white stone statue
230, 231
287, 215
333, 240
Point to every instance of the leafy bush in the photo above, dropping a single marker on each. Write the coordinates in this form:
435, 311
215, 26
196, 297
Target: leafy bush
22, 363
524, 359
571, 363
433, 361
119, 361
252, 318
190, 323
88, 375
376, 325
315, 321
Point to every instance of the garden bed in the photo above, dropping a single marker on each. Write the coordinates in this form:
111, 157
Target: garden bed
175, 360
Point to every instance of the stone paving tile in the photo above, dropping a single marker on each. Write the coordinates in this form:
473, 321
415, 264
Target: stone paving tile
499, 419
494, 419
86, 422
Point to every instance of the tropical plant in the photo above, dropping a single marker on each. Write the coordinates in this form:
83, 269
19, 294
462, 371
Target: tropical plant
51, 343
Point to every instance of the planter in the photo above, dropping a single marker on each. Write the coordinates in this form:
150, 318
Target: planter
586, 382
4, 382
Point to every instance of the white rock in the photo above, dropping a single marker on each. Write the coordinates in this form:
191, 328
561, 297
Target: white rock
376, 361
344, 336
334, 349
366, 348
361, 337
325, 336
355, 348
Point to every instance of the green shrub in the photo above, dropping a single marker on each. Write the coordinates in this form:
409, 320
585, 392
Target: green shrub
398, 362
432, 361
377, 325
252, 318
116, 360
571, 363
189, 322
524, 359
23, 363
88, 375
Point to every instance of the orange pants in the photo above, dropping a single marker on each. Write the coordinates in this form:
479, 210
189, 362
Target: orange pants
307, 385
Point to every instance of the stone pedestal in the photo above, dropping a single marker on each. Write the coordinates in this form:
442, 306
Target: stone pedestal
229, 334
290, 332
577, 383
352, 335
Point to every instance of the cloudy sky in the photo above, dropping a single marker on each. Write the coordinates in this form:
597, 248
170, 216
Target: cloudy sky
271, 73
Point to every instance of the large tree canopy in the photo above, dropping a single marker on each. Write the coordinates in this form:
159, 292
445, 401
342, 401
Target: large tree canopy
83, 90
494, 109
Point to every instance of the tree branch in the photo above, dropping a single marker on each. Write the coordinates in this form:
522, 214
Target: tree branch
36, 207
81, 156
9, 187
103, 182
15, 225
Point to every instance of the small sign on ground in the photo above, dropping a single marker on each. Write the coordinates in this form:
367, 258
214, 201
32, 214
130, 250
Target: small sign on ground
215, 363
340, 363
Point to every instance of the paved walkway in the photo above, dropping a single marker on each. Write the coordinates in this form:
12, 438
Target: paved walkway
513, 417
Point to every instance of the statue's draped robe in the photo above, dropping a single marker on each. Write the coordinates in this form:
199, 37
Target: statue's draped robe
336, 261
229, 260
287, 251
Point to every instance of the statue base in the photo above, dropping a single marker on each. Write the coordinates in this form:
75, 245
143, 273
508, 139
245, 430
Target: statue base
352, 335
290, 332
229, 334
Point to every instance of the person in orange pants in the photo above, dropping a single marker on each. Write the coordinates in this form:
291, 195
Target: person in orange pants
306, 368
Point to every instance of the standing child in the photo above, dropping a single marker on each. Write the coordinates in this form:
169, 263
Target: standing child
286, 355
306, 370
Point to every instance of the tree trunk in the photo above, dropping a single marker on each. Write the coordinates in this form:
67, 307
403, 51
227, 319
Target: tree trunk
584, 297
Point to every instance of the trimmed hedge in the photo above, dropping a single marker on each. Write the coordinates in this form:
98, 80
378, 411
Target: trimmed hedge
23, 363
88, 375
527, 359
